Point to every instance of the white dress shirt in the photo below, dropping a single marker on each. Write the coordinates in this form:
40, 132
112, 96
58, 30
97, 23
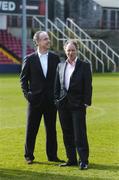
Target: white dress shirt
68, 72
44, 62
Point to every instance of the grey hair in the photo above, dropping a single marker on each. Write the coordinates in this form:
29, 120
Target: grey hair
36, 37
71, 41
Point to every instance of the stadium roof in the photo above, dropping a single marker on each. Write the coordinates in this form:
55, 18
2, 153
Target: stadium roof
108, 3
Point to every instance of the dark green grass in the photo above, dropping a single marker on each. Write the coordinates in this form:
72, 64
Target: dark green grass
103, 135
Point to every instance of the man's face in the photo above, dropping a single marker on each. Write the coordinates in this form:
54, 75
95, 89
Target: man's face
44, 41
70, 51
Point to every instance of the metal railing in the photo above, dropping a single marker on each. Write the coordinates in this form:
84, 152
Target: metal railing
37, 23
60, 35
109, 51
54, 31
109, 61
83, 48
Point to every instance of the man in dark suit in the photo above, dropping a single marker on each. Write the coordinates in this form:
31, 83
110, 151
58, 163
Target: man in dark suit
37, 82
73, 91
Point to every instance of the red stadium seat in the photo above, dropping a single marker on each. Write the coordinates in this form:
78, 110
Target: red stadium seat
12, 43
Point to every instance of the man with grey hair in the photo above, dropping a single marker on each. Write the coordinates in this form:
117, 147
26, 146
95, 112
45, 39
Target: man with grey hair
37, 82
73, 94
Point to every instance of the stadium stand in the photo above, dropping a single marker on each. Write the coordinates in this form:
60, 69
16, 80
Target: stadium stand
11, 52
4, 59
7, 58
12, 43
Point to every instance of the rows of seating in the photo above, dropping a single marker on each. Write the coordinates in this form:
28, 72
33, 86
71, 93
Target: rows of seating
13, 44
4, 59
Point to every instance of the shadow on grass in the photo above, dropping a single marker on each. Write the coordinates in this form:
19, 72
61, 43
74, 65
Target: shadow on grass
104, 167
91, 166
7, 174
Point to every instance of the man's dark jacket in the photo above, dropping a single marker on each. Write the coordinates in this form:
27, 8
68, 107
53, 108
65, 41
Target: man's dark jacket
80, 87
36, 87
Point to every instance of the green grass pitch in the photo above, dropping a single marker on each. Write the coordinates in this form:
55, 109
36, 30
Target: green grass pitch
102, 126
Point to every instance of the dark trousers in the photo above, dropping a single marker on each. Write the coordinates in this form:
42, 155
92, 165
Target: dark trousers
73, 123
33, 123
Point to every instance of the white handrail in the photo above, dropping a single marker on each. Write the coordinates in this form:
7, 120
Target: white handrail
93, 45
37, 20
108, 48
91, 53
64, 37
65, 27
57, 20
76, 26
53, 25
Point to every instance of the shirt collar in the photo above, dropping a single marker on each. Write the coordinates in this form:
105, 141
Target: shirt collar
73, 62
39, 54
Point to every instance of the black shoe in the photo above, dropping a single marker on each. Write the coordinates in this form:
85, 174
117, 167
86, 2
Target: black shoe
69, 163
83, 166
56, 160
29, 161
